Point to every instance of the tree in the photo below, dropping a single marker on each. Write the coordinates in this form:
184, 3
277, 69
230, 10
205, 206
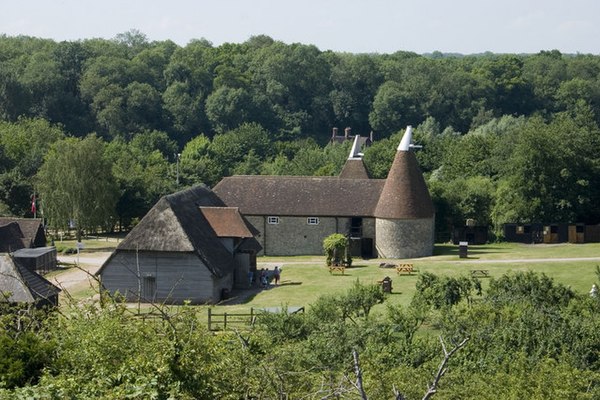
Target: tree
391, 109
336, 248
142, 172
77, 186
227, 108
23, 145
229, 149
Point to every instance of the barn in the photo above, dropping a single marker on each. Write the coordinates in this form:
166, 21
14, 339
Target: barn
189, 247
388, 218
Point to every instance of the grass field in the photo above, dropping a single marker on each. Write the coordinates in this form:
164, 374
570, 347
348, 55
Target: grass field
305, 278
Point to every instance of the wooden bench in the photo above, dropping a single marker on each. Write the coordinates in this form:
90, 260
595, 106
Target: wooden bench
405, 268
480, 273
337, 267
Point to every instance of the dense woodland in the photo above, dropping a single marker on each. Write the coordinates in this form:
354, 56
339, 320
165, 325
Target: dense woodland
100, 129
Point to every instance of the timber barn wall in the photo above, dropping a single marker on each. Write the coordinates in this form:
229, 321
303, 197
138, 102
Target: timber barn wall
178, 277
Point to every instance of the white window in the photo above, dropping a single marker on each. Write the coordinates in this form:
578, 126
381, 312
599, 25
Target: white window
273, 220
312, 221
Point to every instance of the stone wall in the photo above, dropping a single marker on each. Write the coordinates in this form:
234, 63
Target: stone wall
294, 236
404, 238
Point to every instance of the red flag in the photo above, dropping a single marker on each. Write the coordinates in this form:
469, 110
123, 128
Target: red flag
33, 208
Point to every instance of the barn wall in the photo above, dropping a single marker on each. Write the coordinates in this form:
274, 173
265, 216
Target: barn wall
293, 235
228, 243
242, 267
178, 277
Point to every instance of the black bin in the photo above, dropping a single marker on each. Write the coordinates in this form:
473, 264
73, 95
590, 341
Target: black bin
386, 285
463, 249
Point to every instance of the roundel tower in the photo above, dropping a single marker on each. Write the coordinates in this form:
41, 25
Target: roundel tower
404, 216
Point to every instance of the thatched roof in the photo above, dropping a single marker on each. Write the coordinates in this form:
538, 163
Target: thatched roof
22, 285
405, 194
177, 224
300, 196
31, 232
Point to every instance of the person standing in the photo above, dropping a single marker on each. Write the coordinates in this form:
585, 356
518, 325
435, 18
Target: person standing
277, 275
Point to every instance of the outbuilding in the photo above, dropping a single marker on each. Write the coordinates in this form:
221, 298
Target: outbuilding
20, 285
188, 247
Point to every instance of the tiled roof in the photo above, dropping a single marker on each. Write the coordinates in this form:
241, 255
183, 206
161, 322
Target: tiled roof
300, 196
354, 169
226, 222
11, 237
31, 228
405, 194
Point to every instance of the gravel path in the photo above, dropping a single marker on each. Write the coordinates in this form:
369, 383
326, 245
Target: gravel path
89, 263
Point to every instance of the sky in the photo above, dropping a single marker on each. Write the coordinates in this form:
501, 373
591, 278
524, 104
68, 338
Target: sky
355, 26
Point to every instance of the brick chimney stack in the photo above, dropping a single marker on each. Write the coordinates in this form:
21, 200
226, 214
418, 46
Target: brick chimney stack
347, 132
335, 131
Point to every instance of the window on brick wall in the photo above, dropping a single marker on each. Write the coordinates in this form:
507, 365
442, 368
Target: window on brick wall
312, 221
273, 220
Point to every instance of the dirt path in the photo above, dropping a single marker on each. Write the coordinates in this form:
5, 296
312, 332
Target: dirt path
88, 263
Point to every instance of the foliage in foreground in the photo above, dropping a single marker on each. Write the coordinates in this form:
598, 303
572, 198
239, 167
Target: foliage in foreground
541, 343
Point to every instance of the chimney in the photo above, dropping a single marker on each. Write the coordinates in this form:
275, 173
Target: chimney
334, 134
347, 132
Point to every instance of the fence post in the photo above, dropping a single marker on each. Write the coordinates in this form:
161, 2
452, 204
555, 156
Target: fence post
224, 321
209, 319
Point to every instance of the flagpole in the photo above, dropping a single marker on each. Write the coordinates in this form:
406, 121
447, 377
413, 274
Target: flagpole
33, 207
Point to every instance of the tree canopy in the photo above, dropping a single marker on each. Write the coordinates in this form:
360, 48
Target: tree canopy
505, 137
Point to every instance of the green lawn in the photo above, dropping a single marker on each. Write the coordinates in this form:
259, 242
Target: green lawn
306, 278
90, 243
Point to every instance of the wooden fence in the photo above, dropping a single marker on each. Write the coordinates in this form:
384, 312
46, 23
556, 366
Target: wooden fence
225, 320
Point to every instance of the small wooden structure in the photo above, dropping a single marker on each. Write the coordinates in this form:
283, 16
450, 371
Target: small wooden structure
405, 269
20, 285
40, 259
224, 320
21, 233
337, 267
386, 284
551, 233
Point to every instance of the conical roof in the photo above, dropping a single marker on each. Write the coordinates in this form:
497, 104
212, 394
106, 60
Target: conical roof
355, 167
405, 194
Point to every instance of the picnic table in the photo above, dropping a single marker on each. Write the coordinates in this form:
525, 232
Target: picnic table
480, 273
337, 267
405, 268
